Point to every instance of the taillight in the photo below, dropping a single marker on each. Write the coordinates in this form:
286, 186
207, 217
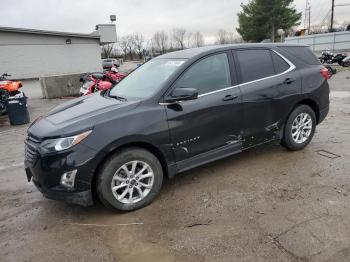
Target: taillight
325, 73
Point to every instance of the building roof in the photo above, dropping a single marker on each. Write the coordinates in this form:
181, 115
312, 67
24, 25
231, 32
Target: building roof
44, 32
192, 52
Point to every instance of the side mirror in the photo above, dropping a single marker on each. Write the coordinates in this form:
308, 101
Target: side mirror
182, 94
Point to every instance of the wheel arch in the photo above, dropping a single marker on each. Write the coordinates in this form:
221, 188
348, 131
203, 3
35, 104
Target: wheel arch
311, 103
306, 101
136, 144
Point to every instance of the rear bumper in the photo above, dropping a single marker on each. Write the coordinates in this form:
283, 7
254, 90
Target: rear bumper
323, 114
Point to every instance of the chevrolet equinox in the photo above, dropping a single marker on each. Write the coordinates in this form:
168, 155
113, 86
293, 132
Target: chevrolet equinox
176, 112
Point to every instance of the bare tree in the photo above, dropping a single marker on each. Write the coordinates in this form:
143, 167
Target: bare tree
160, 40
151, 47
234, 38
125, 44
222, 37
198, 39
138, 42
189, 40
179, 37
107, 50
131, 46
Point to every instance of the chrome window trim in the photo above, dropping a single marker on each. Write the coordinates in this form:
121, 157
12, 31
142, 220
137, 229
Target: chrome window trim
291, 68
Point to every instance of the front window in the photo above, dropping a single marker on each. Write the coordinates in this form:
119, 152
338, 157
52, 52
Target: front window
209, 74
147, 79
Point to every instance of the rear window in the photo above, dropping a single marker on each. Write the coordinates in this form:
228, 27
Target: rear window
303, 53
280, 64
255, 64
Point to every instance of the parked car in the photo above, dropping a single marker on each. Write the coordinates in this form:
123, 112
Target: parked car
176, 112
108, 63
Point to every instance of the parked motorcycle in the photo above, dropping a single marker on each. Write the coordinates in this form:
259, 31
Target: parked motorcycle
339, 58
8, 88
328, 57
94, 82
346, 61
115, 75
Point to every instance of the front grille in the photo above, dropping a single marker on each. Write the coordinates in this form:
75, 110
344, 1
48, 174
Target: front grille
31, 150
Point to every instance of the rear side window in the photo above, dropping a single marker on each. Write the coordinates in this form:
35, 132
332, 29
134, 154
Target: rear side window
280, 64
303, 53
207, 75
255, 64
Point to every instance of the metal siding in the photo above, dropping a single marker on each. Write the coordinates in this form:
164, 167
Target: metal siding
319, 42
30, 56
108, 33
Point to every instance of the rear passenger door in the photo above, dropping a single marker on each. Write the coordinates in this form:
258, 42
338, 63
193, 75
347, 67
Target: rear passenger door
266, 81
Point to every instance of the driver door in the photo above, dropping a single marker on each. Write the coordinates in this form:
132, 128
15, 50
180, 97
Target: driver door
209, 125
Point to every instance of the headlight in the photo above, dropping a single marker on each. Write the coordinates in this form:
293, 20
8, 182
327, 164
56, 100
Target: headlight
59, 144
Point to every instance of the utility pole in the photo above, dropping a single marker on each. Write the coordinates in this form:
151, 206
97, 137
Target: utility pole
332, 16
308, 29
305, 18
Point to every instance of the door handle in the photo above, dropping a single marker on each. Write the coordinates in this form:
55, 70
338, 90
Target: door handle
229, 98
288, 81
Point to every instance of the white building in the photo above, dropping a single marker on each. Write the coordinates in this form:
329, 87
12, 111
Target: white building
29, 53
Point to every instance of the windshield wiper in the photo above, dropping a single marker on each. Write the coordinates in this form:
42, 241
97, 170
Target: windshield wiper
119, 98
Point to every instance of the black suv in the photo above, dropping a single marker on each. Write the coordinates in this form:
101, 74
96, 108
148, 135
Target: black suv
174, 113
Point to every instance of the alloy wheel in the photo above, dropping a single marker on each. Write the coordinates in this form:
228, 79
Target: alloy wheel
301, 128
132, 182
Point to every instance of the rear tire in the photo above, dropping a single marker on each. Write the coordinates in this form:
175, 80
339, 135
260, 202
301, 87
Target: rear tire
300, 128
129, 179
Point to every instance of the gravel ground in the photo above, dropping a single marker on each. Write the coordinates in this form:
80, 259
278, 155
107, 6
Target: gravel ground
266, 204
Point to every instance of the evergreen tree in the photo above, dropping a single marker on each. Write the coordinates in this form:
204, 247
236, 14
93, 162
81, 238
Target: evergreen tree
260, 19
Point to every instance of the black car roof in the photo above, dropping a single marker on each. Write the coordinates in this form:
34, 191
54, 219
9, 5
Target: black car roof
193, 52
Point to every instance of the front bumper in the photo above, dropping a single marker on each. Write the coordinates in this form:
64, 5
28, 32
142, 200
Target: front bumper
83, 198
46, 173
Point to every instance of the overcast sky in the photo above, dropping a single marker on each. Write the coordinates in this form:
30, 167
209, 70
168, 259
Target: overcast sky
141, 16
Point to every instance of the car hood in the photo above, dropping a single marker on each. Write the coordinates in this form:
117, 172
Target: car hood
79, 115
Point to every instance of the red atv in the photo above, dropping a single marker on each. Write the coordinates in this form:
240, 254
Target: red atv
8, 88
95, 82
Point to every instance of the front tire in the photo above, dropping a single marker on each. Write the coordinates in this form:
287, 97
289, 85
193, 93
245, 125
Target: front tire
300, 128
130, 179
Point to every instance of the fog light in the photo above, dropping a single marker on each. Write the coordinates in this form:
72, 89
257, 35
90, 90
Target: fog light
68, 178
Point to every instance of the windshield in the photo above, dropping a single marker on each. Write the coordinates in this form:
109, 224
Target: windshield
147, 79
